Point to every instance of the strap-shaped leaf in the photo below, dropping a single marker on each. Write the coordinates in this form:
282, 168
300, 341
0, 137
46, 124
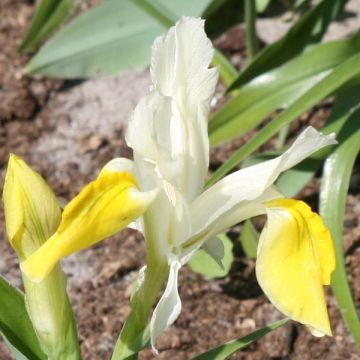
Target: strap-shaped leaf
261, 5
308, 30
343, 73
48, 16
222, 352
293, 180
15, 324
278, 88
112, 37
334, 188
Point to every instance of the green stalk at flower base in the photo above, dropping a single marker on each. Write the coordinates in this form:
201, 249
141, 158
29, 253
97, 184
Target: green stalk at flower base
133, 336
32, 215
51, 315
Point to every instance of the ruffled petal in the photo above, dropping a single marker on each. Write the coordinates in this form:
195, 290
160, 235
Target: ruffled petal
295, 259
169, 126
169, 306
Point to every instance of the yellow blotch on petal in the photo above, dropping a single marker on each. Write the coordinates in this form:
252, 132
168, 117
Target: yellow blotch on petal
102, 208
295, 259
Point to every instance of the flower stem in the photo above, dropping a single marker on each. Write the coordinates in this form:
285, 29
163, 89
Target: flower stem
52, 317
133, 336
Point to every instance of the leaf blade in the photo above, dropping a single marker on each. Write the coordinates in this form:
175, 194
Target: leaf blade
309, 29
222, 352
334, 187
15, 324
119, 27
338, 77
48, 16
278, 88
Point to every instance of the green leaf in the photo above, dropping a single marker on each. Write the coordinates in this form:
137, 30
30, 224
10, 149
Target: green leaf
203, 263
261, 5
278, 88
48, 16
110, 38
226, 69
300, 4
213, 7
15, 324
222, 352
308, 30
134, 333
334, 188
293, 180
249, 238
220, 15
346, 71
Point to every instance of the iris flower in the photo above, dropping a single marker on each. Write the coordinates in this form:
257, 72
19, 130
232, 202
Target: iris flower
168, 135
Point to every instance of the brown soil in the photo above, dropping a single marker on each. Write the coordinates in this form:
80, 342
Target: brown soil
38, 122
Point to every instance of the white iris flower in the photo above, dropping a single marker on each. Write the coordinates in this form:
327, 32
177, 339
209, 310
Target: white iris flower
168, 134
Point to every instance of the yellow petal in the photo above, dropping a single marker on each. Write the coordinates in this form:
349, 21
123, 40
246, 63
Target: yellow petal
295, 259
102, 208
32, 212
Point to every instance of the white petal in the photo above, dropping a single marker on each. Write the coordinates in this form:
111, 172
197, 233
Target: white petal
219, 204
224, 220
139, 135
180, 61
181, 75
169, 219
169, 306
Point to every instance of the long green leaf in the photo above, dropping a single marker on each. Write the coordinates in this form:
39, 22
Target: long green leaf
308, 30
293, 180
227, 70
345, 72
48, 16
212, 8
278, 88
334, 188
261, 5
15, 324
222, 352
110, 38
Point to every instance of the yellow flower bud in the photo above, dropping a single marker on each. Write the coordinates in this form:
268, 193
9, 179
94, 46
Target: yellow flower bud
32, 215
32, 212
